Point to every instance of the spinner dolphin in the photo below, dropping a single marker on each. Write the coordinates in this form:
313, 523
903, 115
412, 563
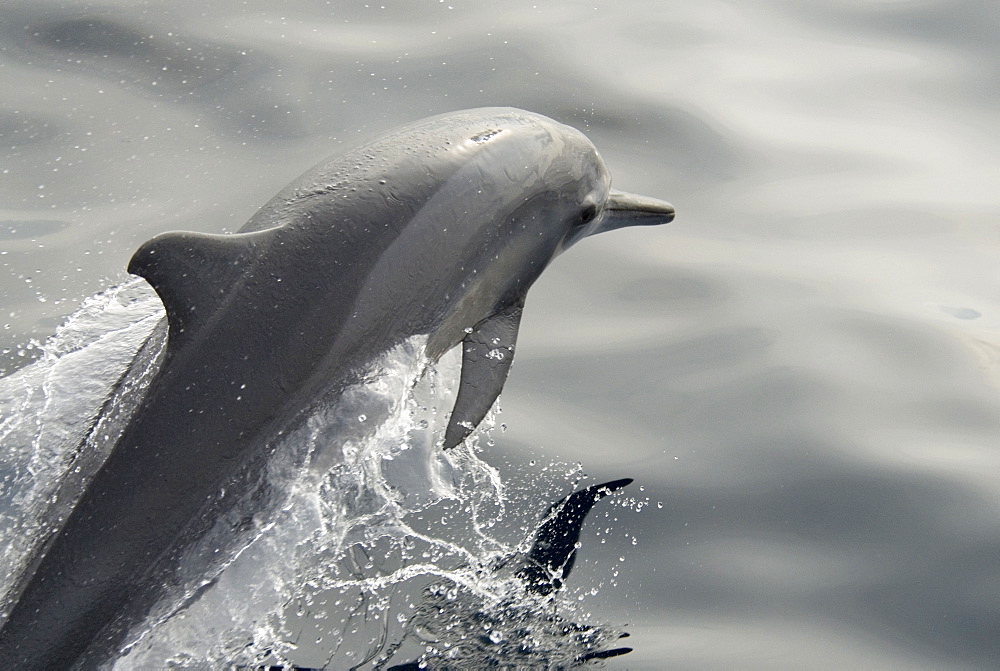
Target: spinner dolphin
435, 229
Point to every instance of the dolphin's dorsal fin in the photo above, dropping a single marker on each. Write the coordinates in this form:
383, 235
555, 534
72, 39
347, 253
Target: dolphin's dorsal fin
193, 274
487, 352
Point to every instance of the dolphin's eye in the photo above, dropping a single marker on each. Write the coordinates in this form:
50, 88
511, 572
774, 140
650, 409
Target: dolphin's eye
588, 214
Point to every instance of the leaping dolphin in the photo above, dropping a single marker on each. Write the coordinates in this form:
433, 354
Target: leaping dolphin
435, 229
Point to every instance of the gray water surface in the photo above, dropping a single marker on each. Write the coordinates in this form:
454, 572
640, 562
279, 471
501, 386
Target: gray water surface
803, 368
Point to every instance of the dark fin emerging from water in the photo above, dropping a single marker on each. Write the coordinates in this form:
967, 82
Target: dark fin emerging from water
193, 273
605, 654
486, 356
553, 553
543, 569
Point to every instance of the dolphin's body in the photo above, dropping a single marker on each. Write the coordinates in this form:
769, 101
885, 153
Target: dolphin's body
436, 229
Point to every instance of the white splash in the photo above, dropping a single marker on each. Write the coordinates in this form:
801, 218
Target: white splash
376, 546
48, 408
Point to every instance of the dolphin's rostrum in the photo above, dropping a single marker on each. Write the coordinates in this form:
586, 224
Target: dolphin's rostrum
436, 229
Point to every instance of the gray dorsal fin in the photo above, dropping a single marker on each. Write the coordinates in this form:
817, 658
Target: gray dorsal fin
193, 273
486, 356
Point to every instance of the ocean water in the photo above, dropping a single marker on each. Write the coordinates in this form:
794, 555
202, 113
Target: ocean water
802, 372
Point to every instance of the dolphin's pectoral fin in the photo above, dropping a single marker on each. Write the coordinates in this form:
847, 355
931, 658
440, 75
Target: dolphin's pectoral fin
486, 356
193, 273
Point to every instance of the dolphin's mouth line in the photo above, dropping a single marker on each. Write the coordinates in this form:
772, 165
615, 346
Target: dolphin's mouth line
663, 216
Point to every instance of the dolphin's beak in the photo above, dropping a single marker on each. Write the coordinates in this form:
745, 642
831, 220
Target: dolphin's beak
626, 209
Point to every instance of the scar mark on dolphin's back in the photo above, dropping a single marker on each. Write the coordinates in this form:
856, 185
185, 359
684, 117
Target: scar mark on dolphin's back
485, 136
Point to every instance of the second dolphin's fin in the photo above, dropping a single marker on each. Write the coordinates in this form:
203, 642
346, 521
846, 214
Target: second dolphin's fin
486, 355
193, 273
554, 551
